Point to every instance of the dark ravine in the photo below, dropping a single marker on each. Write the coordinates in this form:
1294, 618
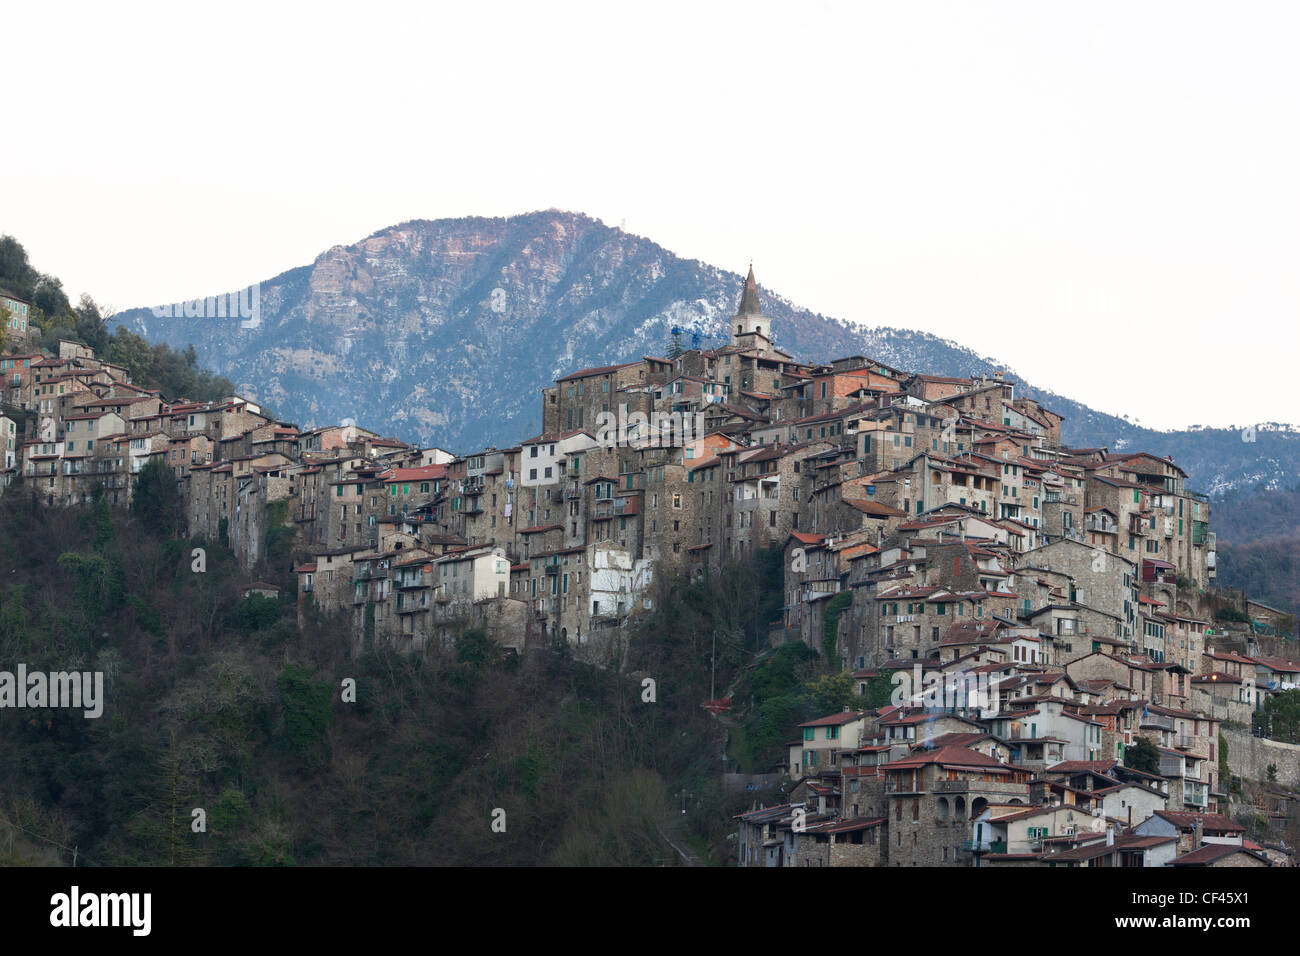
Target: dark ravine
443, 332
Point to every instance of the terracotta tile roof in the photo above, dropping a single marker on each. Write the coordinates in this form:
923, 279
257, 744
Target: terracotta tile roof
804, 538
1213, 852
1210, 822
950, 756
836, 720
425, 473
600, 370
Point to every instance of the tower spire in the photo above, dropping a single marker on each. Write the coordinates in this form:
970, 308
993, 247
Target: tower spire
749, 304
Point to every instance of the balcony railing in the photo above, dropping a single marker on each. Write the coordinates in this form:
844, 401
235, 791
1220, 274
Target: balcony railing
613, 507
1158, 720
992, 846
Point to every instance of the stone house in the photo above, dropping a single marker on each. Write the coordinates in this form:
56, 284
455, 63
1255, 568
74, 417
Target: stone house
822, 741
935, 796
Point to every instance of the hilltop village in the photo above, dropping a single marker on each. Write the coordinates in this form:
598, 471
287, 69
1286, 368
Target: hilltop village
932, 526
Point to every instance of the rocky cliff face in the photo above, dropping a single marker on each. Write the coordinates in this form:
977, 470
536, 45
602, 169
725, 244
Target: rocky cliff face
444, 332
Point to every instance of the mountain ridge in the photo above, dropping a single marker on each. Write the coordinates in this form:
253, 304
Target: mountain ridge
444, 331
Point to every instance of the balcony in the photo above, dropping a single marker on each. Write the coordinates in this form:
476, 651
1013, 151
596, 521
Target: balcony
814, 590
951, 786
1171, 765
1102, 524
975, 846
612, 507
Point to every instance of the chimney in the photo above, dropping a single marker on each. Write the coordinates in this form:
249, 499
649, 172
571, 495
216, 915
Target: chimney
1198, 832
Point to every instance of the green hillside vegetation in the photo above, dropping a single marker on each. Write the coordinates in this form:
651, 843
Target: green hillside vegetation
1259, 544
224, 703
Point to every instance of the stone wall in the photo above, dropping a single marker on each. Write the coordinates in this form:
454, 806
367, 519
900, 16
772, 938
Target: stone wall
1249, 757
1220, 708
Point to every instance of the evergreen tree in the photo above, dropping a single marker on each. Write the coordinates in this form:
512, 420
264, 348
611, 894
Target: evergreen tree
156, 501
1142, 755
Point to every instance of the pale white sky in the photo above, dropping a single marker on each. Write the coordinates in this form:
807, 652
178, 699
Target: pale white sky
1103, 195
